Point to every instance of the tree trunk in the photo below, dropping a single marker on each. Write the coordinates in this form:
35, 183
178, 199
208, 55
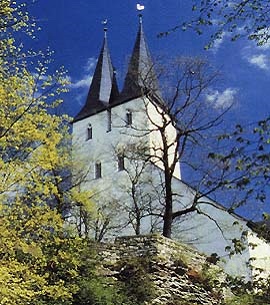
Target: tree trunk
167, 218
136, 210
138, 226
168, 214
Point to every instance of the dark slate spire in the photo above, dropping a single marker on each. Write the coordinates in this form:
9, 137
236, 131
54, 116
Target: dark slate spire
140, 77
103, 90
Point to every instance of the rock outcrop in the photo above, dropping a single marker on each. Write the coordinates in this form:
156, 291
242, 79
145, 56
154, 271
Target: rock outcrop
165, 272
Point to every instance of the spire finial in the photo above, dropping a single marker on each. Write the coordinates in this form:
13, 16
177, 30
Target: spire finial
140, 8
105, 28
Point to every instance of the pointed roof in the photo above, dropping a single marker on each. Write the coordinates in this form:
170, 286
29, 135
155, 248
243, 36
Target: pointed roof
141, 76
103, 90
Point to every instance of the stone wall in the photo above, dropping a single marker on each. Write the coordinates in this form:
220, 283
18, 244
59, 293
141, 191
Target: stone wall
178, 274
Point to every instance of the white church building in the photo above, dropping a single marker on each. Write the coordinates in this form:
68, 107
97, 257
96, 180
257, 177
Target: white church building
112, 135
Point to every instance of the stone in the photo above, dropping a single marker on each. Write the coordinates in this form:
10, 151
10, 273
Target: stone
174, 269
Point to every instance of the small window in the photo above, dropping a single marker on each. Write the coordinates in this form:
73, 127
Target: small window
109, 120
121, 163
98, 170
129, 118
89, 132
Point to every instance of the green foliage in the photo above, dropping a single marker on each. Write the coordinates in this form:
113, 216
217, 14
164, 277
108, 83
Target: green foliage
95, 288
212, 276
181, 260
13, 15
248, 292
243, 161
247, 299
39, 259
38, 262
136, 279
236, 19
35, 160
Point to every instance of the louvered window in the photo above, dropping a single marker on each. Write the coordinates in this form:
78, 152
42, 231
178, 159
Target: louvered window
128, 118
98, 170
89, 135
109, 120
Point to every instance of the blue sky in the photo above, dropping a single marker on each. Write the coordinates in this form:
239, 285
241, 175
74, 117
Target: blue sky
73, 29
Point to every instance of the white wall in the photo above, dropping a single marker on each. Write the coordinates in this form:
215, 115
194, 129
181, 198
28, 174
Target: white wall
104, 145
210, 234
158, 119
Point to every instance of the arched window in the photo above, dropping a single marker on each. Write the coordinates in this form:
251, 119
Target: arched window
89, 135
121, 162
109, 120
128, 118
98, 170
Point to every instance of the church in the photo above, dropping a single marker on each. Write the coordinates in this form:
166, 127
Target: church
117, 142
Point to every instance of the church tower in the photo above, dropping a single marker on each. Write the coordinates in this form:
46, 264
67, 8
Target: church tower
113, 130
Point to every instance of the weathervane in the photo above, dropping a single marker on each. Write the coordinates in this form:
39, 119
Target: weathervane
140, 8
105, 22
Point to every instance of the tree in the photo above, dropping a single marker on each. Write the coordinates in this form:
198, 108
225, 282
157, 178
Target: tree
177, 126
183, 122
247, 18
133, 196
140, 202
31, 131
245, 151
181, 125
39, 257
38, 263
105, 220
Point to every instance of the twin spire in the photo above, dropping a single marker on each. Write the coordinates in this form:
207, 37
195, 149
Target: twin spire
104, 93
103, 89
140, 77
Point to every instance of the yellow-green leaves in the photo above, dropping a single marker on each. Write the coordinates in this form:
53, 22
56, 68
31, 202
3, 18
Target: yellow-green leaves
38, 262
38, 258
